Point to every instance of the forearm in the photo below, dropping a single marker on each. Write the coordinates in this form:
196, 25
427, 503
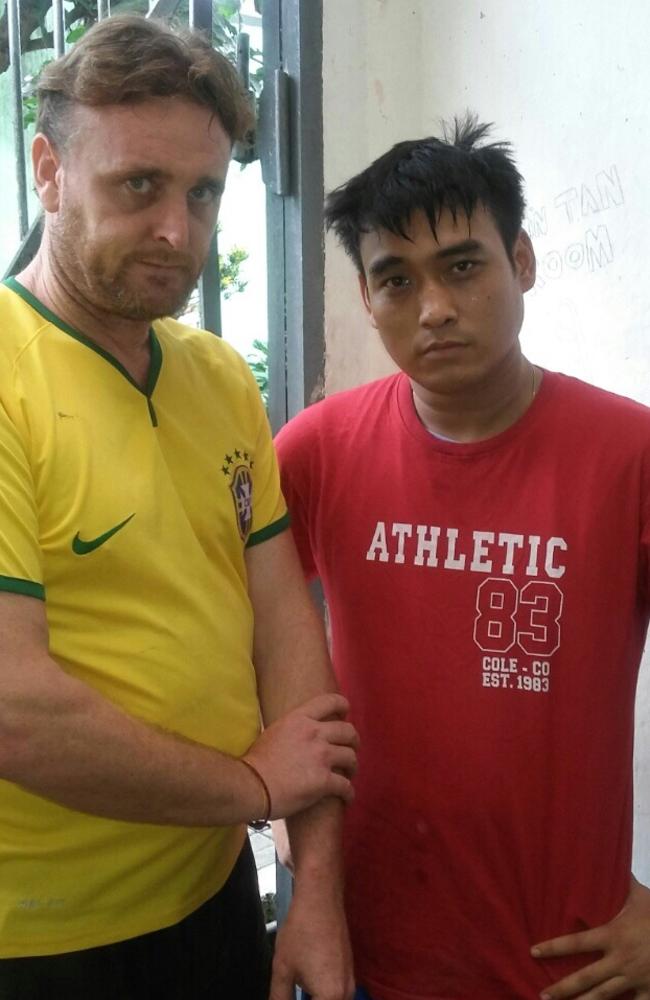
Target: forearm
300, 653
313, 946
315, 841
290, 654
64, 741
315, 834
292, 664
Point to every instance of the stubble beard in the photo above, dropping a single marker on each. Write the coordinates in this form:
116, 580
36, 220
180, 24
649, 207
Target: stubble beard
122, 300
107, 289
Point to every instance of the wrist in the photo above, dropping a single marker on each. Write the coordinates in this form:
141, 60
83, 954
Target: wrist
313, 891
315, 838
263, 815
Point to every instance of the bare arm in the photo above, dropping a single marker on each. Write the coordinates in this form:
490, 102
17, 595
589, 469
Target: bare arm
292, 665
61, 739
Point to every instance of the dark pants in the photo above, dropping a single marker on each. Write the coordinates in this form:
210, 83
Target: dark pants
219, 952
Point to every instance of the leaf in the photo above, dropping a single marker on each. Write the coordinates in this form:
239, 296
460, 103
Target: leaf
75, 34
259, 365
30, 110
229, 8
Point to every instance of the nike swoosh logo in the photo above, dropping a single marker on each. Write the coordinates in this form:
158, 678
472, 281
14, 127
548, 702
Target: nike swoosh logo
82, 548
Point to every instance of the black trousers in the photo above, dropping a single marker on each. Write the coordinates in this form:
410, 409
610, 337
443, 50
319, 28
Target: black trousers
219, 952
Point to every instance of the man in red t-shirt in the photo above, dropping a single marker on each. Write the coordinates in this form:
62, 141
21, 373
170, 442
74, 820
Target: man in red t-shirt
481, 529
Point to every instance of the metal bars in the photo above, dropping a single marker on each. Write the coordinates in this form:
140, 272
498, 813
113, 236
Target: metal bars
200, 19
13, 21
274, 127
210, 290
58, 13
201, 16
291, 150
27, 248
163, 9
290, 143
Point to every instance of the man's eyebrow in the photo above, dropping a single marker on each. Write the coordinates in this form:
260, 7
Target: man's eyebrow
137, 170
388, 261
218, 184
381, 264
465, 246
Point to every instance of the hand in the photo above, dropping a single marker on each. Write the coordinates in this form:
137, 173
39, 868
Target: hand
313, 951
306, 755
625, 962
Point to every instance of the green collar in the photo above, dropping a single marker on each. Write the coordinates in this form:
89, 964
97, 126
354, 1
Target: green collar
154, 344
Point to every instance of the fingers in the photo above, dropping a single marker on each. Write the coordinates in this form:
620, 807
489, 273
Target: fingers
614, 987
343, 760
341, 787
307, 755
340, 733
624, 962
579, 982
327, 705
570, 944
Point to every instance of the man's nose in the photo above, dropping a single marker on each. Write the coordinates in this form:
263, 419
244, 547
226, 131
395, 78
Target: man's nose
172, 223
437, 305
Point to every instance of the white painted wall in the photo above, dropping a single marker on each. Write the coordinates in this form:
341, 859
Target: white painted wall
567, 84
372, 85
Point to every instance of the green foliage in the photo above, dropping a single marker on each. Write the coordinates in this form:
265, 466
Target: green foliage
230, 8
30, 106
76, 33
30, 100
259, 365
229, 271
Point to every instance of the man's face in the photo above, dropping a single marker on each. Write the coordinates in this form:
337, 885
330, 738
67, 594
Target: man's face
448, 308
136, 197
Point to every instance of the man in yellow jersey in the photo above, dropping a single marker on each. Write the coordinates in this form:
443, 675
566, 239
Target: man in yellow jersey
151, 604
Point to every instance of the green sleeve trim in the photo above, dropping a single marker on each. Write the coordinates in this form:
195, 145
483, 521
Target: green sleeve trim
26, 587
269, 531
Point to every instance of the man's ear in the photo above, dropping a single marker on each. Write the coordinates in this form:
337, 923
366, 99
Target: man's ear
46, 164
524, 261
365, 295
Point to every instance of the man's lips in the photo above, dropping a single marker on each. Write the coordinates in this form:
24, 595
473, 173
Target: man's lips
165, 265
441, 346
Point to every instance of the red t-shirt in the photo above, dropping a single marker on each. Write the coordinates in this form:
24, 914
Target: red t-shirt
488, 606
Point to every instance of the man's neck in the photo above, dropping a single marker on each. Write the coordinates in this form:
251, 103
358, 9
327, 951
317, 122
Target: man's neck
479, 411
126, 340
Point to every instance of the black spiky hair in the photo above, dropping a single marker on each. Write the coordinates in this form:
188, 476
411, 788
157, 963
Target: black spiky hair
455, 172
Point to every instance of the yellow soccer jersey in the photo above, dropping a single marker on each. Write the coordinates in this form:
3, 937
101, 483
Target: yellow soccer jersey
128, 512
